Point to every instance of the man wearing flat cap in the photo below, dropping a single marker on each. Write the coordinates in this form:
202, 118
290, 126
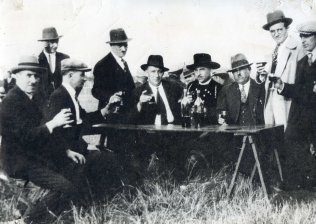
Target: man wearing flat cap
50, 59
281, 63
24, 136
208, 88
300, 136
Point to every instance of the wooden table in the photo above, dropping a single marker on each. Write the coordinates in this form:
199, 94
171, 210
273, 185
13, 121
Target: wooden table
250, 134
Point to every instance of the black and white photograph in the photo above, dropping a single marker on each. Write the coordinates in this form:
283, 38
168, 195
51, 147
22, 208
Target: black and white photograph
157, 112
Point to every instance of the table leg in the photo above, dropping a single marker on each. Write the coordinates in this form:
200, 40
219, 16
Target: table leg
278, 162
255, 153
231, 186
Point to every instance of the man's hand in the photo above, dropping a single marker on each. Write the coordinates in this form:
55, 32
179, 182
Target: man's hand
112, 106
76, 157
144, 98
60, 119
261, 71
314, 88
278, 84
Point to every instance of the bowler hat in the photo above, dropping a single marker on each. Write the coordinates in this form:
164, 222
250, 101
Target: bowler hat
49, 33
239, 61
70, 64
307, 28
156, 61
27, 63
203, 60
276, 17
118, 36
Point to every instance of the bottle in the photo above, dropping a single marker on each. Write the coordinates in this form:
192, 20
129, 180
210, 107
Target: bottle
199, 110
185, 111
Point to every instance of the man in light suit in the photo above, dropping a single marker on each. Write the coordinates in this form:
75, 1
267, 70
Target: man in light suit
282, 63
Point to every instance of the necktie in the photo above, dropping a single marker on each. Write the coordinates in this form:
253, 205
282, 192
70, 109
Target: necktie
243, 94
125, 65
274, 58
310, 58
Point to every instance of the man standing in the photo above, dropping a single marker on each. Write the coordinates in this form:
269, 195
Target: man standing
50, 59
204, 83
282, 64
300, 134
24, 137
112, 75
243, 100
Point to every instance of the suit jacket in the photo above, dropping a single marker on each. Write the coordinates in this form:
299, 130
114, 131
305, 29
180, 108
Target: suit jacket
110, 78
229, 100
302, 117
70, 137
23, 136
50, 81
148, 113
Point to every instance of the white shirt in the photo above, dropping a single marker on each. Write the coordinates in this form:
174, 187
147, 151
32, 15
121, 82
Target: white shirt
205, 83
314, 54
246, 87
72, 93
162, 93
118, 60
52, 60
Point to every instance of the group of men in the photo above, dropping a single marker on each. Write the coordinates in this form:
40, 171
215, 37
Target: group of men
42, 120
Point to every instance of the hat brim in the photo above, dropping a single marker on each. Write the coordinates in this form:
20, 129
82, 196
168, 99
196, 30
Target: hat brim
119, 41
27, 67
223, 75
145, 66
46, 39
77, 69
211, 65
239, 67
287, 21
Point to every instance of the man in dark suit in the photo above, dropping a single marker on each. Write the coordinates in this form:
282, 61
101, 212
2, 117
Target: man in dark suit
300, 134
24, 137
50, 59
243, 100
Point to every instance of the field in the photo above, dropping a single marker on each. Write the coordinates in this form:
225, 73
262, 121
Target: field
198, 199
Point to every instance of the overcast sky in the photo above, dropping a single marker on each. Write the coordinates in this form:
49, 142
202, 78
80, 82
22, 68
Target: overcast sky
176, 29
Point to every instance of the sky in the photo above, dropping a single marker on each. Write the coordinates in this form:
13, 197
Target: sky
175, 29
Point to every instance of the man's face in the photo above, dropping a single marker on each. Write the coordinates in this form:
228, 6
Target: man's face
278, 32
51, 46
27, 81
77, 79
119, 49
154, 75
242, 75
308, 41
202, 74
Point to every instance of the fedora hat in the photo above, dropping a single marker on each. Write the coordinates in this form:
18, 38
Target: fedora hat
156, 61
70, 64
276, 17
203, 60
49, 33
118, 36
239, 61
27, 63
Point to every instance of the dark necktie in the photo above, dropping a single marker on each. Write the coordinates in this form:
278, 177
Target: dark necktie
125, 65
310, 58
274, 58
243, 96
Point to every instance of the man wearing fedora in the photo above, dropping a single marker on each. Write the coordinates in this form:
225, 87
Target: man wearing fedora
50, 59
23, 139
209, 89
300, 135
281, 63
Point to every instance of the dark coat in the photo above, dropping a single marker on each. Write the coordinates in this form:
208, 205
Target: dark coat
302, 116
110, 78
23, 136
229, 100
51, 81
68, 138
148, 113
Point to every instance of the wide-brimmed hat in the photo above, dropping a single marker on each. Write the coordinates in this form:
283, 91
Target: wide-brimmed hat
239, 61
156, 61
203, 60
307, 28
222, 73
118, 36
50, 33
70, 64
27, 63
276, 17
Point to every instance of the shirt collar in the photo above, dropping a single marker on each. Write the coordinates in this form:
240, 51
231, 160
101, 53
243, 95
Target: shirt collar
314, 54
118, 59
205, 83
154, 87
46, 54
70, 89
246, 85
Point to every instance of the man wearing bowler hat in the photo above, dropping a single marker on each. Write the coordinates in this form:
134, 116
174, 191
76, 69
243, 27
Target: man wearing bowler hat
50, 59
208, 88
281, 63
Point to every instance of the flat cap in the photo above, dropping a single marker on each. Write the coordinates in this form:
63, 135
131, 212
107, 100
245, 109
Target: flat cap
308, 27
70, 64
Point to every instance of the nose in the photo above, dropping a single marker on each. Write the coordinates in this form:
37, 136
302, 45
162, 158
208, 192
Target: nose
33, 79
123, 48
